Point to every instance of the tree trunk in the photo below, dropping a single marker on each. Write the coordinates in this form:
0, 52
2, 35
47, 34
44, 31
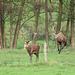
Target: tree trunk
18, 25
2, 25
11, 22
2, 34
36, 23
59, 19
50, 12
0, 37
67, 27
36, 12
72, 22
0, 31
46, 24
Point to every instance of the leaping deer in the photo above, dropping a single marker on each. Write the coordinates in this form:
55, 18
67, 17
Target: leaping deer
61, 39
32, 49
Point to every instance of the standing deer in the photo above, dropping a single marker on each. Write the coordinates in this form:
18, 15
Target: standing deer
32, 49
61, 40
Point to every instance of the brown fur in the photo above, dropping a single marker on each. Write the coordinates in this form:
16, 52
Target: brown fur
33, 49
61, 39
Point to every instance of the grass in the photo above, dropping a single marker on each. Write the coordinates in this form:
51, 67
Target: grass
16, 62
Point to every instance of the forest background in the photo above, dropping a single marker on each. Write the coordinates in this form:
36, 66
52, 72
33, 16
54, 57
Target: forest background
43, 17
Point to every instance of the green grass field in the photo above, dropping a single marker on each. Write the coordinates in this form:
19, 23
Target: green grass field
16, 62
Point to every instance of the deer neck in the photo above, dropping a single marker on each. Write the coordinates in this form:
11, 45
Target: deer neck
28, 47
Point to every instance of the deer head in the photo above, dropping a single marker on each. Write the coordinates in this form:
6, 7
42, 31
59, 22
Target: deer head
57, 34
27, 43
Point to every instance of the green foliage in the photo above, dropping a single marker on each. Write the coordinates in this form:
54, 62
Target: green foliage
28, 27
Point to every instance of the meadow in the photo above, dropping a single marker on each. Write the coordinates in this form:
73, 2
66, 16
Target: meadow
17, 62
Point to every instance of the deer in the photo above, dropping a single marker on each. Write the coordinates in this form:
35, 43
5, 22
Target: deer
31, 49
61, 40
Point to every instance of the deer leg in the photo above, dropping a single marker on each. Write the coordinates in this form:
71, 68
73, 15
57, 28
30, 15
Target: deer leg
62, 47
37, 56
59, 51
31, 58
58, 46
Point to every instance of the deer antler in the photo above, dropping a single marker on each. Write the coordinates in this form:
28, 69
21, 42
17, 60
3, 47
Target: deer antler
25, 38
22, 35
34, 35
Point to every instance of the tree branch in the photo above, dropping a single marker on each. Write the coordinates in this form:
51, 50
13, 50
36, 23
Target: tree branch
26, 21
29, 19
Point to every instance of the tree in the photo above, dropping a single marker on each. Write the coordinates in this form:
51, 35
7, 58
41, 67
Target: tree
67, 27
59, 16
72, 22
46, 23
2, 22
18, 24
11, 22
0, 30
36, 12
50, 12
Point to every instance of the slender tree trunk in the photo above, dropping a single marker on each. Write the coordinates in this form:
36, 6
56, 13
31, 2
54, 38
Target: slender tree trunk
67, 27
72, 22
46, 23
11, 22
36, 12
0, 31
59, 19
18, 25
50, 12
2, 34
36, 23
2, 24
0, 37
59, 16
